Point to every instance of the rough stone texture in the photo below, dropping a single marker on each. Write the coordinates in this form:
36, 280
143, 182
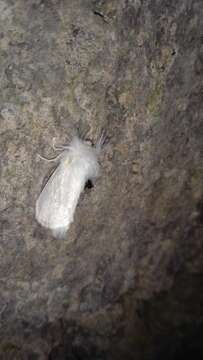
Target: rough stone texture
126, 283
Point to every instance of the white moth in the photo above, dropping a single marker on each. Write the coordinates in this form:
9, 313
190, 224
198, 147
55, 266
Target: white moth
57, 202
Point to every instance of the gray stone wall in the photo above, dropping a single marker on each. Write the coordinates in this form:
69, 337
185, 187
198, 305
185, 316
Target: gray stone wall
126, 281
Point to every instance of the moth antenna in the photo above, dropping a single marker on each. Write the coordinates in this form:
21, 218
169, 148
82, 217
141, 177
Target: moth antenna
54, 146
59, 147
81, 132
101, 141
56, 158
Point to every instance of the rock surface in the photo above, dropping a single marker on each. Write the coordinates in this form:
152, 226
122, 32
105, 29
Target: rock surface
126, 282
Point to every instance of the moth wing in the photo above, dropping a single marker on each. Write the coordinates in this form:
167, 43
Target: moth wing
46, 204
57, 202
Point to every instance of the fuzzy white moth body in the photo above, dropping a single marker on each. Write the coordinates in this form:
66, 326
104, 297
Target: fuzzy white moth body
57, 202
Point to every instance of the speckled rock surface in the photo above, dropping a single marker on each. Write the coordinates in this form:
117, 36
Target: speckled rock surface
126, 282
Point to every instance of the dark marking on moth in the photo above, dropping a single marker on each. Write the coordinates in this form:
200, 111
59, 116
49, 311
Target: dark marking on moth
89, 184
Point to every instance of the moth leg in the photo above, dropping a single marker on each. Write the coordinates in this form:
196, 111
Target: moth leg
56, 158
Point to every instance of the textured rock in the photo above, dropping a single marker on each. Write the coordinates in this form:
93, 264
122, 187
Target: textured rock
127, 280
